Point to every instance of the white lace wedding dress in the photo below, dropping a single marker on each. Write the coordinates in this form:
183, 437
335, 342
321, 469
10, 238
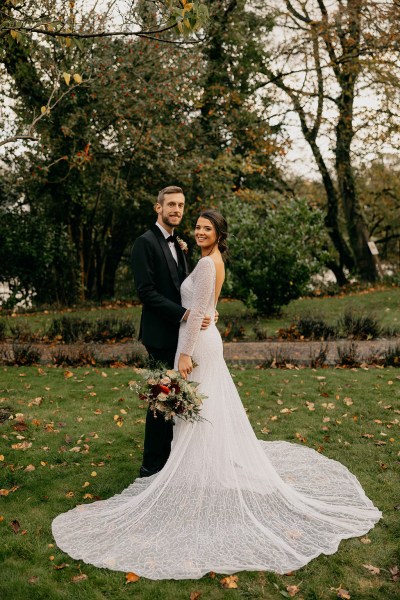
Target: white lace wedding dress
225, 501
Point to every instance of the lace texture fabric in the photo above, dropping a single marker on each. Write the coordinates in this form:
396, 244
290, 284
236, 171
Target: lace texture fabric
225, 501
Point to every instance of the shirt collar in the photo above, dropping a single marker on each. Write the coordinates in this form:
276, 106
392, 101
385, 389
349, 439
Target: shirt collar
163, 231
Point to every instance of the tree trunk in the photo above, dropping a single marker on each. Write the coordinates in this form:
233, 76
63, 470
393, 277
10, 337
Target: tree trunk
357, 228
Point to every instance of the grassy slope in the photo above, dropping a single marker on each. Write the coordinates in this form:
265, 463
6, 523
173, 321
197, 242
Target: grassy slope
80, 410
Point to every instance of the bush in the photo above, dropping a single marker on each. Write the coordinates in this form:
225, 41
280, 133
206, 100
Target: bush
348, 355
231, 328
20, 331
359, 326
3, 327
319, 359
73, 329
391, 356
24, 355
69, 329
275, 252
315, 328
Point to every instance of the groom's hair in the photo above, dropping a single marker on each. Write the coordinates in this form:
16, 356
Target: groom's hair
170, 189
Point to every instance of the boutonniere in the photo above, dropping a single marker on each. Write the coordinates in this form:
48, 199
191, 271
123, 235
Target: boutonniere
182, 244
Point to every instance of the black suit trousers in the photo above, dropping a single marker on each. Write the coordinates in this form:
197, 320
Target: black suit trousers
158, 431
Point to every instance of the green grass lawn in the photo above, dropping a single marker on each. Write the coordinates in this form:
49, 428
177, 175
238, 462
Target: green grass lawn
80, 432
383, 303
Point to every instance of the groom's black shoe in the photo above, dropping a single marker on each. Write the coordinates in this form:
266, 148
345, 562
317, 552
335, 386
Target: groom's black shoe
145, 472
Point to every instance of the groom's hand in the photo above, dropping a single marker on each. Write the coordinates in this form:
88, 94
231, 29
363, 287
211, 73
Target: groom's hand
206, 322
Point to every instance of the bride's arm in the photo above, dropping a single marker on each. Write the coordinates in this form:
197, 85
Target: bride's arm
203, 289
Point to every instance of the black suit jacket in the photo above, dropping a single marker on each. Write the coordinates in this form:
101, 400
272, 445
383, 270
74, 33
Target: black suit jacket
158, 279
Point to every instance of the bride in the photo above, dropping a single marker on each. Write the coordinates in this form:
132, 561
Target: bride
225, 501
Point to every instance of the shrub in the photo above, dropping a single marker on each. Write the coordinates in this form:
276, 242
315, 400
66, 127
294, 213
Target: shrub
112, 328
24, 354
69, 329
275, 251
231, 329
391, 356
347, 355
314, 327
277, 359
73, 329
260, 332
318, 360
3, 327
359, 326
20, 331
73, 357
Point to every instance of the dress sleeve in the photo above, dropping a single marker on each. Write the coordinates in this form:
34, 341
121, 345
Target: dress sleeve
203, 289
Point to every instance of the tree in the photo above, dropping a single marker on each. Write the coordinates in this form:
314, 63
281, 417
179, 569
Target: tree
273, 264
328, 55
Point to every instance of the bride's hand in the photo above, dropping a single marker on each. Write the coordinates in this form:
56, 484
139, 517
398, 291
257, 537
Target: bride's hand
185, 365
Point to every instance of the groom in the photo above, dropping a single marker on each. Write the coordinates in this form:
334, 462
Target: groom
159, 267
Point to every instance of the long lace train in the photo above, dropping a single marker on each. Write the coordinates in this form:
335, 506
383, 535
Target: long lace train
224, 501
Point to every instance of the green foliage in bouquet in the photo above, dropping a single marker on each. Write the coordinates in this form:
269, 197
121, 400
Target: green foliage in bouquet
168, 394
274, 250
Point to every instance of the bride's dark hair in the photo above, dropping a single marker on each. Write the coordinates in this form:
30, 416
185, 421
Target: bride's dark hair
221, 228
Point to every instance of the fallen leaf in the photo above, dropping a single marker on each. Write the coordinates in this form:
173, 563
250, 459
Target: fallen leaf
21, 446
292, 590
344, 594
1, 457
212, 575
36, 401
365, 540
62, 566
30, 468
68, 374
93, 474
87, 496
51, 557
70, 494
85, 484
195, 595
372, 569
80, 577
229, 582
395, 573
15, 526
131, 578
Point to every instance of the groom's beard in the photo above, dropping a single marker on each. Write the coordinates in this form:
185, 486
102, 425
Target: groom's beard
166, 220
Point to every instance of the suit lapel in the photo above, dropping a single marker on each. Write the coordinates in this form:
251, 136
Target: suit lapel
168, 256
182, 258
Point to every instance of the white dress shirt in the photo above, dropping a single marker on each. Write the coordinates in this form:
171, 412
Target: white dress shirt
170, 244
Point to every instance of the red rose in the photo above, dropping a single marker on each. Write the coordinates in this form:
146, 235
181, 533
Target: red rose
165, 389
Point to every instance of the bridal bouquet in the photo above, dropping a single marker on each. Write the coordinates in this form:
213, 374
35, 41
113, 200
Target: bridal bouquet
166, 392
